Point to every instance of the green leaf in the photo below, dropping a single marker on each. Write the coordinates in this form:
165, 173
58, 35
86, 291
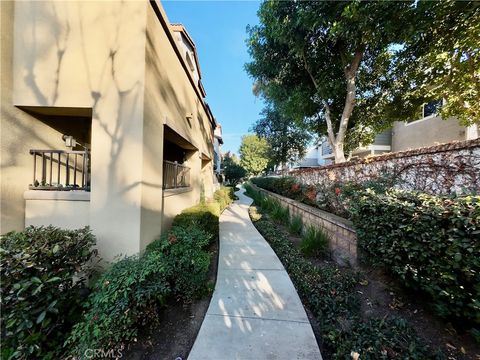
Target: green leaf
41, 317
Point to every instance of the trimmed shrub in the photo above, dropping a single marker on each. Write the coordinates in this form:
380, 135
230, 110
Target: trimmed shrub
431, 243
296, 225
314, 242
203, 216
123, 298
40, 298
130, 293
224, 196
185, 252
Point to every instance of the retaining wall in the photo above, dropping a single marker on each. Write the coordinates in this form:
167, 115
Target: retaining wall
442, 169
340, 231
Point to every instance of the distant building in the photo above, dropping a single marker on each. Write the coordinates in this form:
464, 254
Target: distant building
311, 159
217, 152
429, 130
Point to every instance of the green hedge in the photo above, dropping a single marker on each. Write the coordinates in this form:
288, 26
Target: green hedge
431, 243
224, 196
130, 293
40, 300
126, 296
205, 216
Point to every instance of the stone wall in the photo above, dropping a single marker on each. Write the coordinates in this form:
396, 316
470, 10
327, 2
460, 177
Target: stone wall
342, 236
451, 168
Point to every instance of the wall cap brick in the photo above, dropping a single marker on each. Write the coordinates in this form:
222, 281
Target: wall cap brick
454, 145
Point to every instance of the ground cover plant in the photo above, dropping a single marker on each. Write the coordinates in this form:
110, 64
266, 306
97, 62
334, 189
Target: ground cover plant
329, 292
40, 298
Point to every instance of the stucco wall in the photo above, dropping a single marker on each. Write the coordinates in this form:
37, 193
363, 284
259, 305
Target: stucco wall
174, 201
19, 132
92, 55
425, 132
115, 60
169, 97
65, 209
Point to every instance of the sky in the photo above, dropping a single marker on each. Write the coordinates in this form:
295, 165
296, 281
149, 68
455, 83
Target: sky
218, 29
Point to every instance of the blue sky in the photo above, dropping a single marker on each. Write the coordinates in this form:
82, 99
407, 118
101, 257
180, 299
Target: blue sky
219, 31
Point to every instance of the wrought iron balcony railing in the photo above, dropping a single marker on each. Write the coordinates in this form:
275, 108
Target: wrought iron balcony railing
60, 170
175, 175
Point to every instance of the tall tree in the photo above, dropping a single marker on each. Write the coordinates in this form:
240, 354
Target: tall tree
441, 60
288, 141
232, 169
254, 154
328, 63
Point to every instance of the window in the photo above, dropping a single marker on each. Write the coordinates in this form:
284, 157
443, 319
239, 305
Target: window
432, 108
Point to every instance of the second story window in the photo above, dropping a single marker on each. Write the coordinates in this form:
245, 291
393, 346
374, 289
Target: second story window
431, 108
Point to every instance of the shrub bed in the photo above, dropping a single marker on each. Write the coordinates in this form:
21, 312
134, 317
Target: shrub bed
431, 243
333, 196
224, 196
43, 291
40, 298
130, 293
204, 216
330, 295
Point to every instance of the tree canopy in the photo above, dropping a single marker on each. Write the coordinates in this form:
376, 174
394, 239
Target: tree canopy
233, 171
287, 141
441, 60
254, 153
353, 67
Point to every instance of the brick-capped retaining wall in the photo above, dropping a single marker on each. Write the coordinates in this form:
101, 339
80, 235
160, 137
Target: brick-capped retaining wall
342, 236
441, 169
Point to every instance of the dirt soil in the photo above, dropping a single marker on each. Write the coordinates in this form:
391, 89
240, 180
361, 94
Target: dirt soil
380, 296
177, 329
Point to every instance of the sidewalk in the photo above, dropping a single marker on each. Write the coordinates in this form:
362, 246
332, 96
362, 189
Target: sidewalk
255, 312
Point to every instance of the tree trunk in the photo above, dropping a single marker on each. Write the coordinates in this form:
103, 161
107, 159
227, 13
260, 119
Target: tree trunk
338, 152
337, 141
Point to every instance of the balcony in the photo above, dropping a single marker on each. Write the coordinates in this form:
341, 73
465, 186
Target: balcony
381, 144
60, 170
60, 192
175, 175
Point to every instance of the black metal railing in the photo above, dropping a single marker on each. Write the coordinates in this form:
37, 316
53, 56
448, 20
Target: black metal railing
60, 170
175, 175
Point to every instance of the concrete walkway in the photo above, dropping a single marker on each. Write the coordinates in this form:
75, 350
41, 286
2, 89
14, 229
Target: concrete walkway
255, 312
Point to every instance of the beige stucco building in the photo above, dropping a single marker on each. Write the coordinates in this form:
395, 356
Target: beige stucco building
125, 85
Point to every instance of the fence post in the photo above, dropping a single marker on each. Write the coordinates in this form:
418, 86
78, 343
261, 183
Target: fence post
175, 174
34, 168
